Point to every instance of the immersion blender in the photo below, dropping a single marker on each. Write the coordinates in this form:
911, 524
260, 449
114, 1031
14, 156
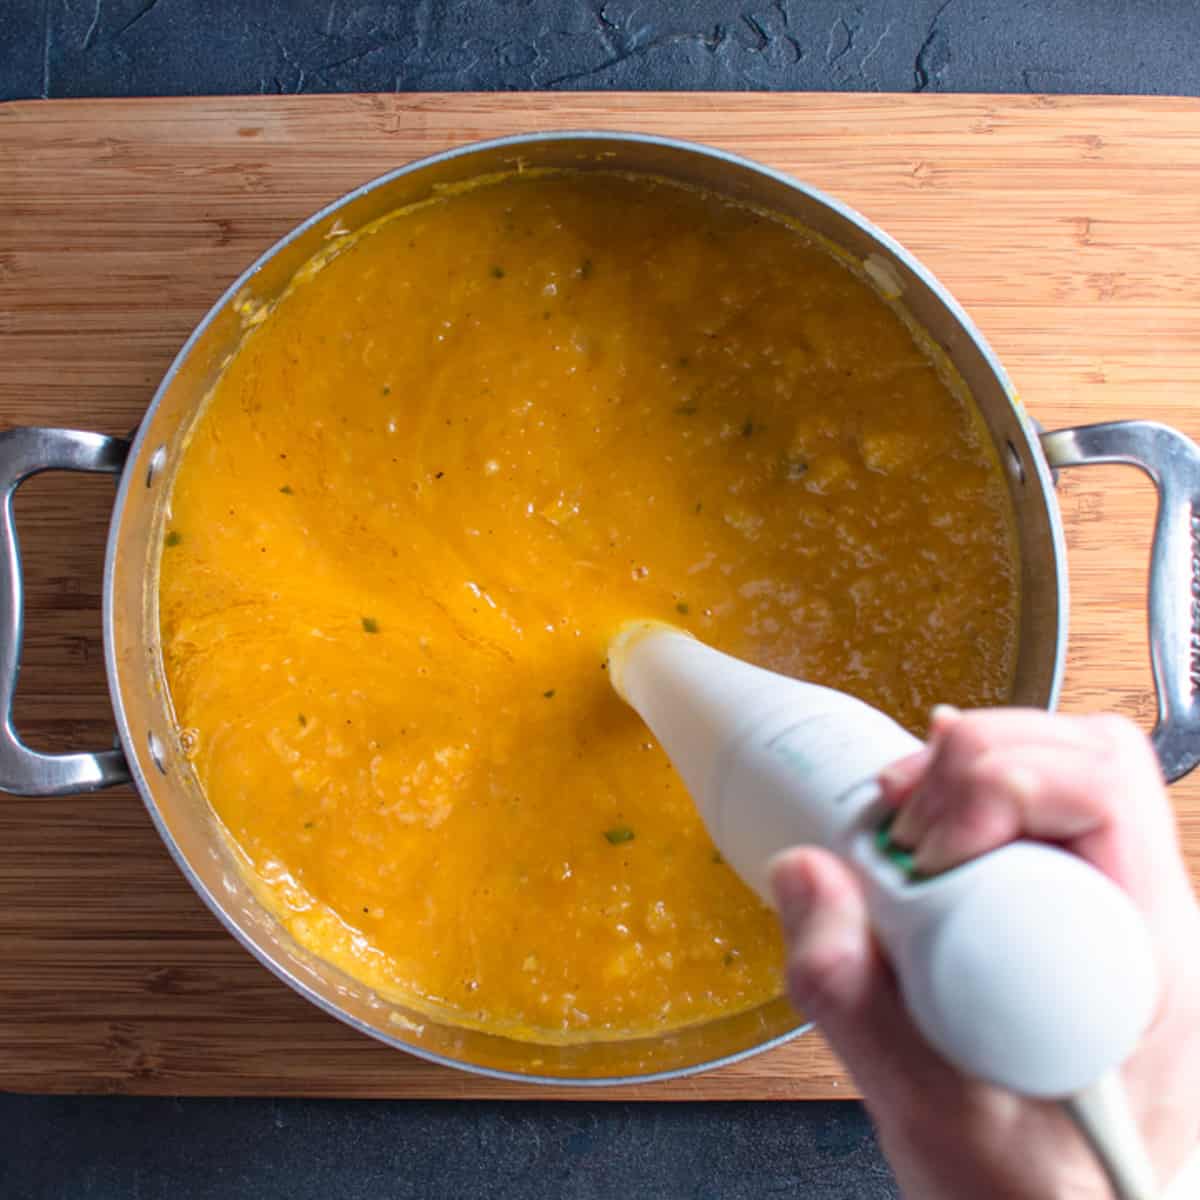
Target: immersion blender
1026, 967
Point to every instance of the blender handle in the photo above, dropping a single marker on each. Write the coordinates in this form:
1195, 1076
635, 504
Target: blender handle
1173, 462
23, 453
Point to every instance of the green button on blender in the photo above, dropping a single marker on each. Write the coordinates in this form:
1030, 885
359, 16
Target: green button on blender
898, 855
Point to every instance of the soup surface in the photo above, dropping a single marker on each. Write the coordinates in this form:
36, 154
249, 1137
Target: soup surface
435, 480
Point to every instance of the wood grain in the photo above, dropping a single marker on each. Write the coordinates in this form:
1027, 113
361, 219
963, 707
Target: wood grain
1068, 227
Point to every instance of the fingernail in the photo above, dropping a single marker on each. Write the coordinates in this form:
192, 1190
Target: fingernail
929, 856
891, 785
942, 716
889, 776
901, 831
900, 777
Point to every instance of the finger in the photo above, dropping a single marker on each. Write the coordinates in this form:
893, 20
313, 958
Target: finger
898, 779
1106, 804
964, 740
832, 963
837, 975
941, 718
900, 784
987, 811
918, 811
1015, 726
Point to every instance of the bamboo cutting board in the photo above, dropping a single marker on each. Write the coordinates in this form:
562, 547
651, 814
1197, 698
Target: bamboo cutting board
1068, 227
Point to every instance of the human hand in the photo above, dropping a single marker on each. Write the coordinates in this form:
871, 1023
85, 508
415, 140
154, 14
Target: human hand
1090, 784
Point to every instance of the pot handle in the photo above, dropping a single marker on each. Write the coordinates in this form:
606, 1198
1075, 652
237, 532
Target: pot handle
26, 452
1173, 462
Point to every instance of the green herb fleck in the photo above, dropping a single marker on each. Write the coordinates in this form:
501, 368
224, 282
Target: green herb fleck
302, 719
585, 269
309, 824
387, 391
497, 272
748, 429
549, 694
729, 957
287, 490
173, 538
681, 608
622, 833
699, 506
684, 361
794, 468
370, 625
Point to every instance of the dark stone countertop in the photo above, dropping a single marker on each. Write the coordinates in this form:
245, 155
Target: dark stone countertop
55, 48
94, 1148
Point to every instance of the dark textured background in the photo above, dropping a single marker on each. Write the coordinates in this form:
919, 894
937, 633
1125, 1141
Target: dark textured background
96, 1148
168, 47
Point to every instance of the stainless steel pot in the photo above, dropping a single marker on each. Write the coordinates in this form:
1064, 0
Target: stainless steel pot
150, 754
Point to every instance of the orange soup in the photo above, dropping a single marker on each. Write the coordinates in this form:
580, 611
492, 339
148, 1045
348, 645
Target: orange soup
436, 478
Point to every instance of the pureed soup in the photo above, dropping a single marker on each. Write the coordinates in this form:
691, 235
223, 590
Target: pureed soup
437, 477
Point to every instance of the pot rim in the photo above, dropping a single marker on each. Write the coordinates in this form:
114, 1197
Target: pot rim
515, 141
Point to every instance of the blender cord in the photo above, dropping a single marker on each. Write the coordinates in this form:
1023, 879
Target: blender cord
1101, 1113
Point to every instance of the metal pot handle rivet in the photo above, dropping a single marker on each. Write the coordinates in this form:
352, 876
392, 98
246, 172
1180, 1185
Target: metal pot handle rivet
26, 452
1173, 462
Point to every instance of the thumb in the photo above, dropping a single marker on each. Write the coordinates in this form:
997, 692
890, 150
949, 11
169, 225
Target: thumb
838, 976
